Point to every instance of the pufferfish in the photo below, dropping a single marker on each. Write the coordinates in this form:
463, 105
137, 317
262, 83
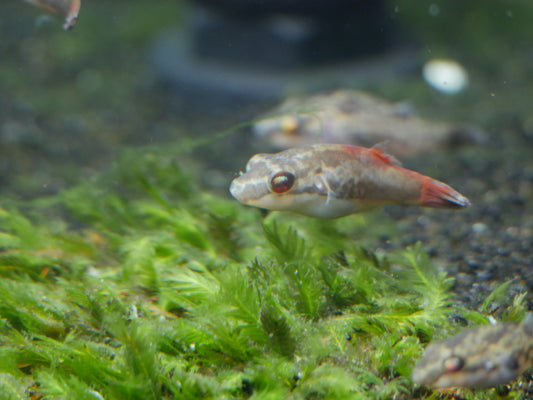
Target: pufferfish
335, 180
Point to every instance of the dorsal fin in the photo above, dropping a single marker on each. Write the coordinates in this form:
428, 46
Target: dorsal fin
387, 158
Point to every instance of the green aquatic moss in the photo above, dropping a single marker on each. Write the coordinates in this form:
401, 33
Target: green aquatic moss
139, 285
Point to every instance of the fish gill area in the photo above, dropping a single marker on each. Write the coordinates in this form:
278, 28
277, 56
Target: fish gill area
129, 272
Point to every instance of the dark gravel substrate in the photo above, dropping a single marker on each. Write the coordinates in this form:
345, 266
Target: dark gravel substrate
491, 242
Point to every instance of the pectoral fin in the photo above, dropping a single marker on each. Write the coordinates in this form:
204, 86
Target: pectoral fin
322, 186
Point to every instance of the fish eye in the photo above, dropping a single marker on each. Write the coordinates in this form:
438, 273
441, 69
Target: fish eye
512, 363
454, 364
289, 124
282, 182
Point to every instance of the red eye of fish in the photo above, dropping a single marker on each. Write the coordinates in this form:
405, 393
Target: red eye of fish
454, 364
282, 182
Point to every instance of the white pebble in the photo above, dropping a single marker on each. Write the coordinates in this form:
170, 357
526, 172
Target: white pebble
446, 76
479, 227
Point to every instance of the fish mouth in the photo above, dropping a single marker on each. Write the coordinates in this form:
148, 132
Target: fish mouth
247, 190
236, 189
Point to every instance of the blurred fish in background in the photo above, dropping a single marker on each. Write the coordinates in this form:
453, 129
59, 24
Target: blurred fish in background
361, 119
69, 9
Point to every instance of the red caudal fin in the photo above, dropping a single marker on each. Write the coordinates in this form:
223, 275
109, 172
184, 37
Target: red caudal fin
436, 194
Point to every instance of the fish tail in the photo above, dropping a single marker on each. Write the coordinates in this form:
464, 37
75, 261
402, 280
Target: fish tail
436, 194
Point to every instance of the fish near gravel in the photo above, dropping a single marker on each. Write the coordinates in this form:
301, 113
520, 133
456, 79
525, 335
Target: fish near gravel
335, 180
480, 357
358, 118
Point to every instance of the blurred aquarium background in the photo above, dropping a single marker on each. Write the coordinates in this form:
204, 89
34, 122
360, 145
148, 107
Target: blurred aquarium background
127, 269
138, 74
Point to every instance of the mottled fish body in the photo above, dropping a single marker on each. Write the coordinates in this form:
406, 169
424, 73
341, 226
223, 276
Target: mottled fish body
358, 118
481, 357
333, 180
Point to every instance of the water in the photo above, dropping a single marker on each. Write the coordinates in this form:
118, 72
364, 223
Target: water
137, 119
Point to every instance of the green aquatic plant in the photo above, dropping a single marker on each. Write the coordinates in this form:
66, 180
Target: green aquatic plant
139, 285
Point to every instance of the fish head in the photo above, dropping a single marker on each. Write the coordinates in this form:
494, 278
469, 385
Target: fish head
292, 180
480, 357
290, 129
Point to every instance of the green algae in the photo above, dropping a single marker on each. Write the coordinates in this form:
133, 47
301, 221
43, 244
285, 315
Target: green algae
137, 284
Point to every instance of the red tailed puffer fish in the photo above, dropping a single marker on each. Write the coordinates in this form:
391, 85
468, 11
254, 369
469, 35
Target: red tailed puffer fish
69, 9
335, 180
480, 357
358, 118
